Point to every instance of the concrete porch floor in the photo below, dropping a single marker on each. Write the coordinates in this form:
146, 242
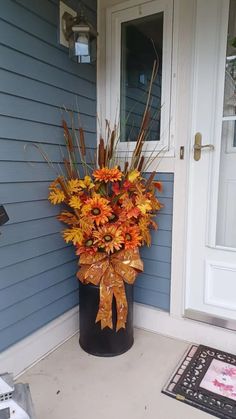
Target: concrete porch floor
70, 384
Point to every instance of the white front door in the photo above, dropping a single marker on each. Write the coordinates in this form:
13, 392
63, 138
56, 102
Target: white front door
211, 240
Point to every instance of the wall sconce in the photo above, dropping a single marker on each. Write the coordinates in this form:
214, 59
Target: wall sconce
77, 34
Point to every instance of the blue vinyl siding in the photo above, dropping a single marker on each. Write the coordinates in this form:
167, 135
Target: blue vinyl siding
37, 79
153, 286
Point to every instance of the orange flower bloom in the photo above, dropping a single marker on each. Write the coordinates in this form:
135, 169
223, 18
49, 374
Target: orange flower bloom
143, 225
108, 237
131, 236
97, 209
87, 247
108, 175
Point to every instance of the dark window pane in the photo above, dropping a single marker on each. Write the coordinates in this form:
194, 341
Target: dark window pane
141, 45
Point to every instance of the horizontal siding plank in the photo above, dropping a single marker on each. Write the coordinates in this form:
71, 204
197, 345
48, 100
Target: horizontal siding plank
167, 205
33, 68
16, 233
164, 221
46, 10
23, 171
152, 298
30, 305
18, 85
25, 327
16, 253
165, 177
35, 266
157, 253
167, 191
21, 192
156, 268
37, 112
152, 283
161, 237
23, 18
25, 289
27, 211
23, 151
19, 129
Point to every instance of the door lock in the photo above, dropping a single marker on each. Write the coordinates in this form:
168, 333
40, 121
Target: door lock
198, 146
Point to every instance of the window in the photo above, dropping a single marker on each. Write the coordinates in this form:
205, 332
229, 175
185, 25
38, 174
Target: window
136, 36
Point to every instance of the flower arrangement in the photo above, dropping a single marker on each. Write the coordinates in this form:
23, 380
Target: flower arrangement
109, 213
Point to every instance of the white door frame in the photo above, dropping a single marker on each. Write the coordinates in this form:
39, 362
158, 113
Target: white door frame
173, 324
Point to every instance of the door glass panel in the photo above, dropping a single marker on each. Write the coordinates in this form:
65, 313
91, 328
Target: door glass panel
226, 221
230, 67
141, 44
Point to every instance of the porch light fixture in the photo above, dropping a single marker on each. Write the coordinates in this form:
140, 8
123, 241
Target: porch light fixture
79, 35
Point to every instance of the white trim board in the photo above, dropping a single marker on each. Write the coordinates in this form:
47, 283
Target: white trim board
157, 321
37, 346
27, 352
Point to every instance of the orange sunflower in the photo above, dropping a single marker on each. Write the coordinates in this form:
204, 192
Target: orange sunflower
131, 236
108, 175
87, 246
97, 209
108, 237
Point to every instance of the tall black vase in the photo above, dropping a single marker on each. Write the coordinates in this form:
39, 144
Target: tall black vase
93, 339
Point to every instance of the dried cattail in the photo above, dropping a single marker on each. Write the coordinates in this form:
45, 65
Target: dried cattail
112, 142
67, 136
149, 181
82, 142
140, 166
139, 144
63, 186
69, 169
101, 153
105, 156
126, 166
146, 120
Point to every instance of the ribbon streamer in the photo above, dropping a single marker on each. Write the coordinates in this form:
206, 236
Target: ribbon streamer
111, 272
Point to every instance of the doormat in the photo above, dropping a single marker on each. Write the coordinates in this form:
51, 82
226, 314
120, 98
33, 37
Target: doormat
206, 379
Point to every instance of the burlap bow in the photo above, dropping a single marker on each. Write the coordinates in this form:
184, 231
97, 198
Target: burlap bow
111, 272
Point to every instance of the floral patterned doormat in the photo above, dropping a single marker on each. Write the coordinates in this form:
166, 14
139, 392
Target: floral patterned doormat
206, 379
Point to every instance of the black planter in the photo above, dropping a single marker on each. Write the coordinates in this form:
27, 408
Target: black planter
104, 342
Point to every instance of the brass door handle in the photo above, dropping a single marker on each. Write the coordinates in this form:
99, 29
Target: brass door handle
198, 146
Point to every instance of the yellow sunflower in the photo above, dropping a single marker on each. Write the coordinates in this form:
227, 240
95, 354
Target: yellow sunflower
108, 237
97, 209
131, 236
108, 175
